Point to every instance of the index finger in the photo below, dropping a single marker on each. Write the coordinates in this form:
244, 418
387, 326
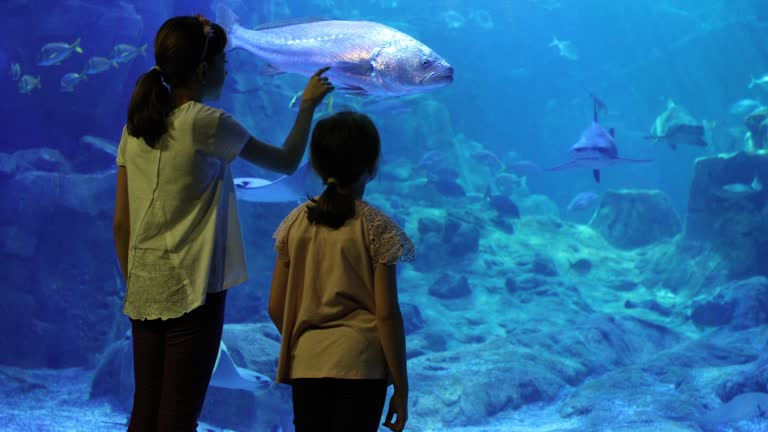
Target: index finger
321, 71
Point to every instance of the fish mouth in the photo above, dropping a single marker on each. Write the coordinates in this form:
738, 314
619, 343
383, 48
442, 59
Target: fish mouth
442, 77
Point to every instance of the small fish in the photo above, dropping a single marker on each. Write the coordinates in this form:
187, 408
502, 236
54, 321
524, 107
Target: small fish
103, 144
27, 83
508, 183
98, 65
583, 201
452, 20
431, 160
566, 49
762, 81
443, 174
745, 106
70, 80
15, 71
582, 266
482, 18
56, 52
488, 159
504, 206
449, 188
739, 190
676, 126
523, 167
124, 53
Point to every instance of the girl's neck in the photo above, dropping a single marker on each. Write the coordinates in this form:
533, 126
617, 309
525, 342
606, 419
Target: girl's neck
356, 190
183, 95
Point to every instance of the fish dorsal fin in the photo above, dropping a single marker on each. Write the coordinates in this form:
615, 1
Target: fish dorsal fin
671, 103
291, 22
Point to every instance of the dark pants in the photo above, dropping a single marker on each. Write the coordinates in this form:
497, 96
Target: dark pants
172, 362
338, 405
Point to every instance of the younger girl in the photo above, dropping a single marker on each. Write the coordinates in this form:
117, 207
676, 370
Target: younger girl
176, 228
334, 296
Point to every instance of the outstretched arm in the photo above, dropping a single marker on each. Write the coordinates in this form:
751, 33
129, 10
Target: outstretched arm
287, 158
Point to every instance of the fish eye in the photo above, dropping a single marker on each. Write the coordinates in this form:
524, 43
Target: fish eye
427, 62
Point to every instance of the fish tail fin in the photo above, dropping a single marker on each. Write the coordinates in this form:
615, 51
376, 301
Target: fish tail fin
554, 42
596, 175
225, 17
143, 50
76, 46
752, 81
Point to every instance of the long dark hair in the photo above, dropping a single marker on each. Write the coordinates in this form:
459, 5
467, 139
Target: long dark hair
344, 147
181, 45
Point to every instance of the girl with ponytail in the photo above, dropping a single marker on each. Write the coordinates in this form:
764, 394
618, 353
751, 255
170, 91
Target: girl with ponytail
334, 291
176, 227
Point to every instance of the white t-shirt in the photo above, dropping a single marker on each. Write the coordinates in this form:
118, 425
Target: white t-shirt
329, 323
185, 238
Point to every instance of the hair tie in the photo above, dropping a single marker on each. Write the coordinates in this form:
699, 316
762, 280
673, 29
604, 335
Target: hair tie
331, 181
207, 31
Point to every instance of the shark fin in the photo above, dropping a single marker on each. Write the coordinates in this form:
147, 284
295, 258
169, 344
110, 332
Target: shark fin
567, 165
271, 70
596, 175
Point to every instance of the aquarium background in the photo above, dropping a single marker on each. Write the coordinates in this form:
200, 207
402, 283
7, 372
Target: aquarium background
643, 307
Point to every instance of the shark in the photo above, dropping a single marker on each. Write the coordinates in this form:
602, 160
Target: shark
596, 149
287, 188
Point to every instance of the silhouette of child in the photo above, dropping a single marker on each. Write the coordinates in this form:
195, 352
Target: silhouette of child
176, 228
334, 292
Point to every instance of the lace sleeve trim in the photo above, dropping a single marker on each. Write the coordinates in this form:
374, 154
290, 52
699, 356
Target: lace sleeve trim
281, 233
388, 242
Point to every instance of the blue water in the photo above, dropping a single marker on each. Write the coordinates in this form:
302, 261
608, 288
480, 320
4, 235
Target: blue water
660, 328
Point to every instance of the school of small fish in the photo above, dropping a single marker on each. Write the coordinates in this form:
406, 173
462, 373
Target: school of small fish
54, 53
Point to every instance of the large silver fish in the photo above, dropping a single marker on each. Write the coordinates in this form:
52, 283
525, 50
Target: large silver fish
366, 58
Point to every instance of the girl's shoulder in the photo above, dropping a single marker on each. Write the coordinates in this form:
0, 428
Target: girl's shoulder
281, 233
388, 241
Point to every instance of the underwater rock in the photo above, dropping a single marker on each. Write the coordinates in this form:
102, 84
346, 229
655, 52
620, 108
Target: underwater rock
751, 379
728, 207
465, 241
712, 314
448, 287
412, 319
739, 305
630, 219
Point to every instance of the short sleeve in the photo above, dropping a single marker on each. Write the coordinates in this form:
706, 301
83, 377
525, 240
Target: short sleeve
387, 241
281, 234
120, 161
228, 139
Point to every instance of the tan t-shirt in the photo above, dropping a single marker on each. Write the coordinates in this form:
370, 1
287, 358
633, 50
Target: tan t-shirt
185, 238
329, 323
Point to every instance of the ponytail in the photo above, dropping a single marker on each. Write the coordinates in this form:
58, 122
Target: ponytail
149, 108
333, 208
